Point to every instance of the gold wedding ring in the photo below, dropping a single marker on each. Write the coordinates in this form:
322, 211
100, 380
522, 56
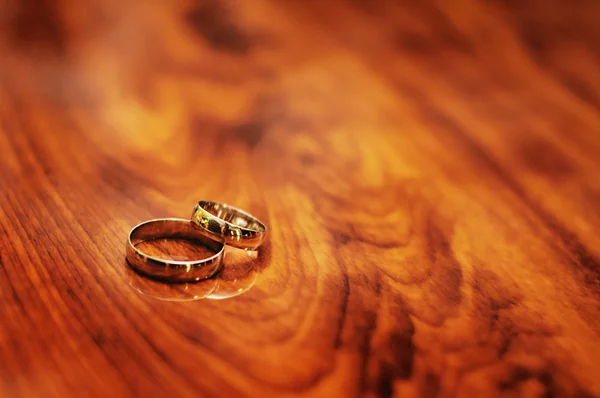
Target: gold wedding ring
229, 225
171, 270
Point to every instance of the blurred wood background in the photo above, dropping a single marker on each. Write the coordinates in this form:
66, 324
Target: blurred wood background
429, 172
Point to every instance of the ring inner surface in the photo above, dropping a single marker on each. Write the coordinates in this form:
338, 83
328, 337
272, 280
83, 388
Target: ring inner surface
173, 240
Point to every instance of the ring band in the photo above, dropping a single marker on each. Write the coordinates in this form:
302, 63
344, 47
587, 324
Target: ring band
229, 225
171, 270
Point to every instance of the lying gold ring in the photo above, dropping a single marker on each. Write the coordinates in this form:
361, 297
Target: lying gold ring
171, 270
229, 225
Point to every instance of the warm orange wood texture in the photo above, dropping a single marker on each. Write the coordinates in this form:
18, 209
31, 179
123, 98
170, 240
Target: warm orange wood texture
429, 172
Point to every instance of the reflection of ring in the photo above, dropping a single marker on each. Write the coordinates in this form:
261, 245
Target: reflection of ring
236, 278
228, 224
171, 270
157, 289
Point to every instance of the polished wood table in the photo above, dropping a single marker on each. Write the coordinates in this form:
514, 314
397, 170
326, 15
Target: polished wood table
429, 172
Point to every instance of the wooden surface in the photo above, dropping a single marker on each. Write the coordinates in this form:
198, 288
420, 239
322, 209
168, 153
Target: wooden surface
429, 172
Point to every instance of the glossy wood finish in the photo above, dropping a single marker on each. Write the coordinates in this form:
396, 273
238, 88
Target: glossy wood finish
429, 172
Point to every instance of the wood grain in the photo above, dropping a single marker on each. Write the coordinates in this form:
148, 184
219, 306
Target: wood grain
429, 172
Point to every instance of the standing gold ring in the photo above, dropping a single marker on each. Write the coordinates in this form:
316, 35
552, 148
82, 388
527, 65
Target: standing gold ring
229, 225
171, 270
